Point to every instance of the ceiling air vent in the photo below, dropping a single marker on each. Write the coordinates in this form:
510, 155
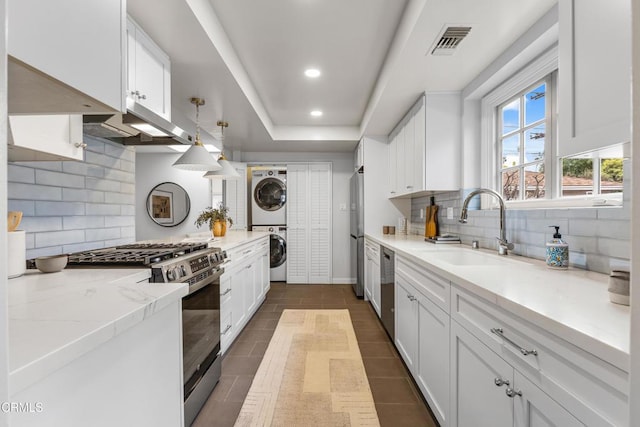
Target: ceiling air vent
449, 40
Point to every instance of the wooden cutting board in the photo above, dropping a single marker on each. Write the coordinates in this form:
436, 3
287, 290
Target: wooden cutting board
13, 220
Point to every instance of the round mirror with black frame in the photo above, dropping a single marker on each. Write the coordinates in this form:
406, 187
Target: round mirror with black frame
168, 204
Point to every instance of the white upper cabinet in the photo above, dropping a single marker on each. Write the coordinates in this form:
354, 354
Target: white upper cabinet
45, 137
358, 160
148, 72
424, 152
594, 76
65, 56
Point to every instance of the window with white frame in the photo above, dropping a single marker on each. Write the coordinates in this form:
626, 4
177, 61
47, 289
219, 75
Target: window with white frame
519, 136
524, 148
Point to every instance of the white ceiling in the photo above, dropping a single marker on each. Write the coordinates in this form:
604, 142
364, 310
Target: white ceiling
247, 58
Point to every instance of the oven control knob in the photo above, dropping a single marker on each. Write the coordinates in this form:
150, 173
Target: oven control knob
172, 274
183, 271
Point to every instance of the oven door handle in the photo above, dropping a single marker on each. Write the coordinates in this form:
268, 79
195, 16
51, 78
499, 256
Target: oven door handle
197, 286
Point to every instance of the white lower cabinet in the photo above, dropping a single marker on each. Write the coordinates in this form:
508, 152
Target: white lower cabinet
372, 274
486, 391
422, 338
243, 288
479, 365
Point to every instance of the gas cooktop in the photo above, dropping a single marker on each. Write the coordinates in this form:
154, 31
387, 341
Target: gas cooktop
135, 254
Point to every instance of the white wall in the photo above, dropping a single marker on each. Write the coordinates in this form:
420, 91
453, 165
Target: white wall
4, 344
153, 169
634, 417
342, 166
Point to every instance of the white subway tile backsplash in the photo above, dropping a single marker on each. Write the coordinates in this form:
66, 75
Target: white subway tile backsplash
102, 209
95, 234
103, 184
27, 207
119, 221
33, 224
82, 222
595, 235
59, 208
53, 238
123, 199
22, 191
21, 174
123, 241
78, 195
64, 204
59, 179
118, 175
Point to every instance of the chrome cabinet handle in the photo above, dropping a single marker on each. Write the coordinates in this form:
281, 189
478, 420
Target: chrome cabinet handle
80, 145
143, 96
226, 329
499, 382
226, 292
524, 351
409, 186
246, 252
248, 266
512, 393
411, 297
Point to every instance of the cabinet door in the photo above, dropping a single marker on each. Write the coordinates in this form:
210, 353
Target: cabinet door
149, 72
250, 287
375, 286
320, 223
400, 162
393, 166
78, 42
265, 272
533, 408
419, 164
595, 74
46, 137
238, 289
297, 224
235, 197
408, 163
368, 275
432, 368
406, 312
476, 401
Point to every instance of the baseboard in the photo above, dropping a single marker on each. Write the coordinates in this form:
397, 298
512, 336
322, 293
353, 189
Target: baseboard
343, 280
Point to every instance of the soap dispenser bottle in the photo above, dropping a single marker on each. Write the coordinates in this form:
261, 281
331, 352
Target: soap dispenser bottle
557, 251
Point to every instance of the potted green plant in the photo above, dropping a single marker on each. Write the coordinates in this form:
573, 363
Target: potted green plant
216, 218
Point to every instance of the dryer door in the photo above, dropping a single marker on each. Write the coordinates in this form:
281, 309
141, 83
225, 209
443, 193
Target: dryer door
270, 194
278, 251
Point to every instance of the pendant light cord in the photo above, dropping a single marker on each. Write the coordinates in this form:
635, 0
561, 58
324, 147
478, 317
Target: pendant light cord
198, 142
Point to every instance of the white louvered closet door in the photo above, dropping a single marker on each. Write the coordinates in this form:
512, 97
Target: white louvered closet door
320, 223
297, 224
235, 197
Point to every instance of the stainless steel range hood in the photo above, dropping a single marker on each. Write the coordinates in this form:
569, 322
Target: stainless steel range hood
139, 126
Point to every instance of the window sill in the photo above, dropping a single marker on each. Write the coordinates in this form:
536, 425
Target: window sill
602, 200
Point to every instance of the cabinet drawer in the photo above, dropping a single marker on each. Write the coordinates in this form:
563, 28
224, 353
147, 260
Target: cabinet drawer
431, 285
588, 387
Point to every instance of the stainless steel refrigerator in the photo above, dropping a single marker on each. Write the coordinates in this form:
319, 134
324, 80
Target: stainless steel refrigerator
357, 232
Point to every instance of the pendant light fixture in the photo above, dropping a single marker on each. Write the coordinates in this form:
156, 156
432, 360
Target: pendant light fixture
227, 170
197, 158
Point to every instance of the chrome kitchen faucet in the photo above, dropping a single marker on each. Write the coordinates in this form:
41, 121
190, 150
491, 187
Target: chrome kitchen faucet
503, 245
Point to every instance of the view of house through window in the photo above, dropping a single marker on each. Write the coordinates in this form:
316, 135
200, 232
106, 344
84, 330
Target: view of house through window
525, 153
593, 175
523, 123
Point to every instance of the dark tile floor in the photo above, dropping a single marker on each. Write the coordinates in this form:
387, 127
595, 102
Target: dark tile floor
398, 401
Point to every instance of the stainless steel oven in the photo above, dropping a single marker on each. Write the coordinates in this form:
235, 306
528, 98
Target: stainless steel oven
199, 267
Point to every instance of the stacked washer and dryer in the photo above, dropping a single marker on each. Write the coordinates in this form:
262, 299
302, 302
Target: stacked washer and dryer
268, 213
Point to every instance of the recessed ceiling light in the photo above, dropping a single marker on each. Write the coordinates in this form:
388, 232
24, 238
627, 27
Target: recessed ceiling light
316, 113
312, 72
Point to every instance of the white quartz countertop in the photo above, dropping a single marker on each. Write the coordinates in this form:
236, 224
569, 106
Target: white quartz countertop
55, 318
572, 304
230, 240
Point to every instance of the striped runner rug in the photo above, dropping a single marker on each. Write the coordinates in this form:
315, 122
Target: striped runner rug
311, 375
